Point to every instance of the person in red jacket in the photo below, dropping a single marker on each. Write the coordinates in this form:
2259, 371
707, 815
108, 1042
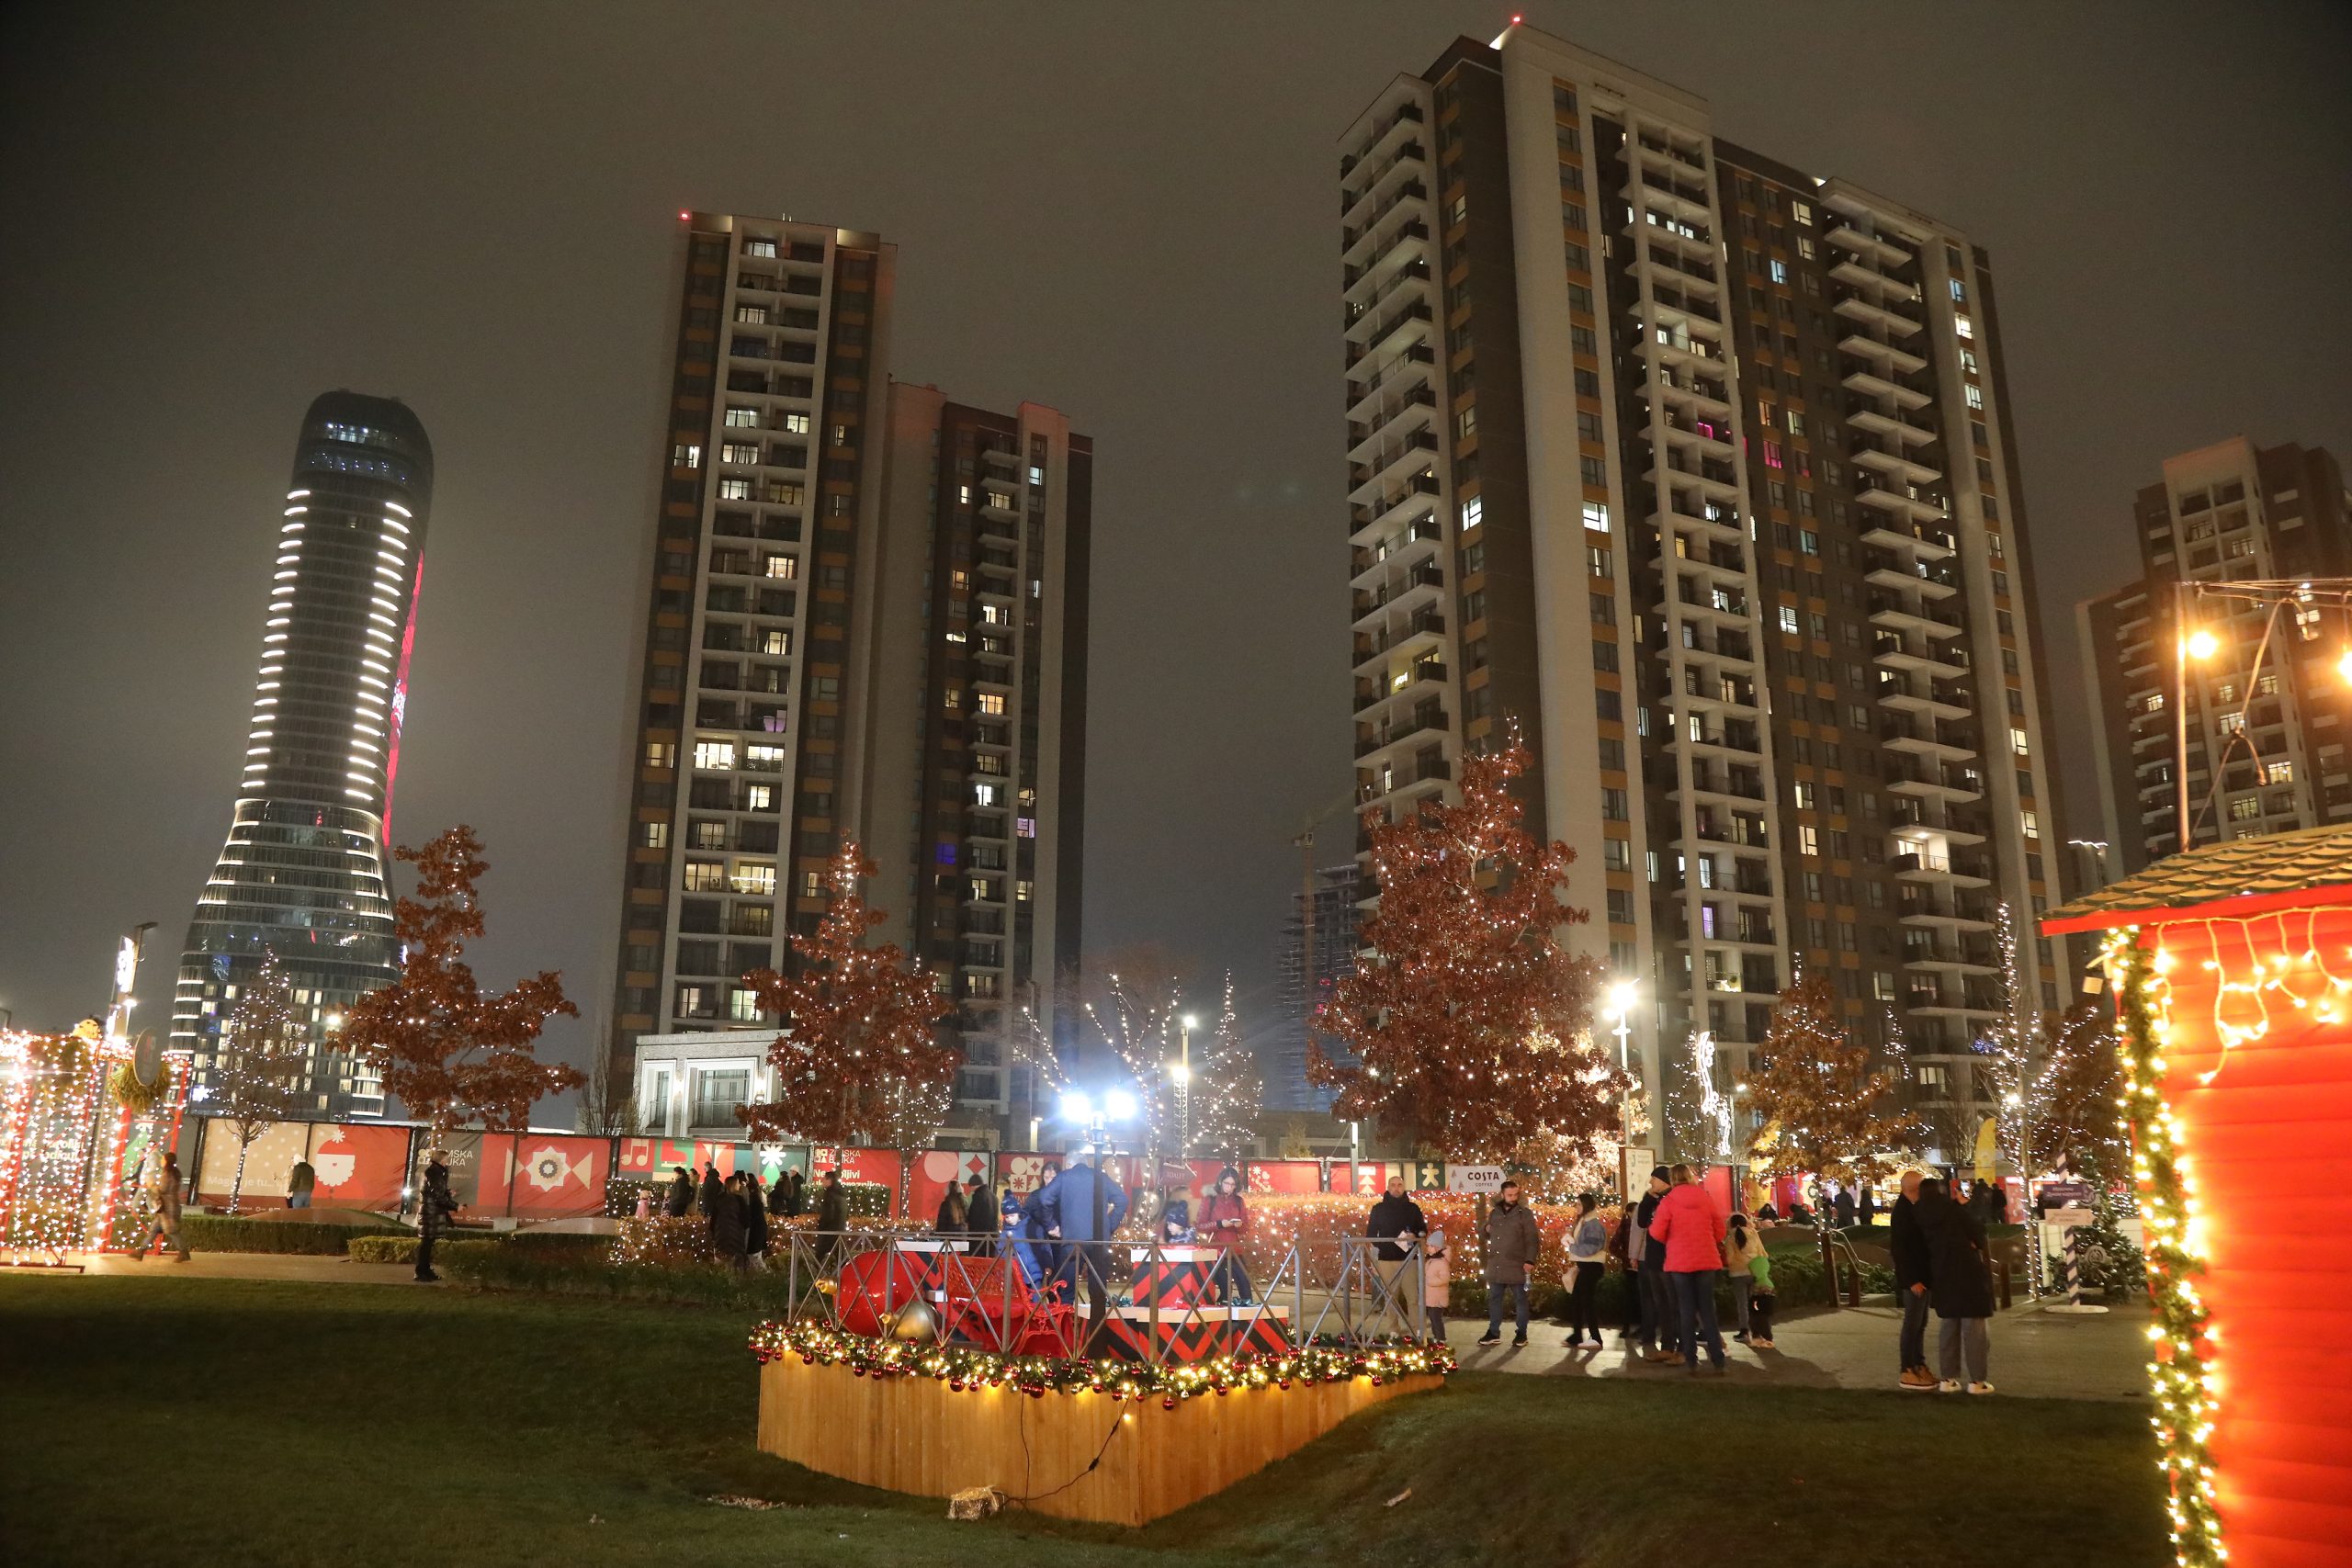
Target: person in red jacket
1224, 1222
1692, 1229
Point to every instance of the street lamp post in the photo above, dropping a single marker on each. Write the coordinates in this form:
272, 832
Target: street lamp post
1620, 1008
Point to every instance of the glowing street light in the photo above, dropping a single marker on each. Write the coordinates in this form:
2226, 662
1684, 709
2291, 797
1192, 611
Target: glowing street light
2202, 644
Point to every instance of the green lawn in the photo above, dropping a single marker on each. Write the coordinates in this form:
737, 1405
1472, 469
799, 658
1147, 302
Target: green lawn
215, 1421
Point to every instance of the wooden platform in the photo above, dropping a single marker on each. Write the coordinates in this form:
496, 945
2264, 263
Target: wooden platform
916, 1435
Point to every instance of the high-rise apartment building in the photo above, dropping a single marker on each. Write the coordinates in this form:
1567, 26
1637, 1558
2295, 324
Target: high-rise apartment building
302, 874
1698, 470
1322, 927
866, 618
2229, 512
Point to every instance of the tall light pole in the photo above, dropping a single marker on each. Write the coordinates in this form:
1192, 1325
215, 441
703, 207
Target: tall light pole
2185, 645
1619, 1006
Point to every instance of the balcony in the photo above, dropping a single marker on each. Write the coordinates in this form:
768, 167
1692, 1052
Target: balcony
1855, 306
1416, 495
1426, 628
1397, 777
1387, 337
1899, 361
1426, 722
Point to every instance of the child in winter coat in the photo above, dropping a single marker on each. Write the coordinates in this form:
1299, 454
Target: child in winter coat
1437, 1273
1760, 1300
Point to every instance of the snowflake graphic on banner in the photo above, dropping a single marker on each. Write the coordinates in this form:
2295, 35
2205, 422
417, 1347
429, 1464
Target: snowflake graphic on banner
548, 1167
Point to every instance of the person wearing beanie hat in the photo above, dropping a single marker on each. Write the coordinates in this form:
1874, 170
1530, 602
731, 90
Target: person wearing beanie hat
1659, 1342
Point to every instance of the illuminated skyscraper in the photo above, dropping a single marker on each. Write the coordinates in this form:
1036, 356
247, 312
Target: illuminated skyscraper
302, 874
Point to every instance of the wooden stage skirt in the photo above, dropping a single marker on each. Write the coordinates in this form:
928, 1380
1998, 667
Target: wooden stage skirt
916, 1434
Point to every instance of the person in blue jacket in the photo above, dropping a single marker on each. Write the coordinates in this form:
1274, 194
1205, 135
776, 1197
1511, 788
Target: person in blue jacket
1080, 1208
1019, 1232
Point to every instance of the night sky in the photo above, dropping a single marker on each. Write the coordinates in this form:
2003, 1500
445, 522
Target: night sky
213, 213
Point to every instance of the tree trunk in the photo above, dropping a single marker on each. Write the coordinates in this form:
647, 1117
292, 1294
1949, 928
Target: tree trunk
237, 1183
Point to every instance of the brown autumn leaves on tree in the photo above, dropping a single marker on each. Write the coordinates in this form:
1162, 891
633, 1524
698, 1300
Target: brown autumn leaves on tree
1814, 1094
1469, 1020
451, 1053
861, 1060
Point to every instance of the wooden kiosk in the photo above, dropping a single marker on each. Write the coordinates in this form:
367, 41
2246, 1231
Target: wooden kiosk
2231, 969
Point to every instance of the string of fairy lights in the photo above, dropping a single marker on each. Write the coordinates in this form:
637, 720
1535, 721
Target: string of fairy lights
967, 1371
2180, 1370
53, 1082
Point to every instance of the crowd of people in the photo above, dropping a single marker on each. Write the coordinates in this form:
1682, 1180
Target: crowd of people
1676, 1243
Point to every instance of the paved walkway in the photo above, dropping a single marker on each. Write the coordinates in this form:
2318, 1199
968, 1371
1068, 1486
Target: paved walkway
304, 1267
2035, 1353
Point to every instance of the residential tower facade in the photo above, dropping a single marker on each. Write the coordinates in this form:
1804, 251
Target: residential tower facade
2226, 514
865, 618
1696, 470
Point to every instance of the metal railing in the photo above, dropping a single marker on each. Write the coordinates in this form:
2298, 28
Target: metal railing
1122, 1300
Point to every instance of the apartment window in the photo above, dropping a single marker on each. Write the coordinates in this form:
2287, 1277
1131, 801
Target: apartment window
1789, 619
1466, 424
743, 1005
1805, 796
705, 876
1963, 326
1604, 610
1580, 298
2278, 773
1587, 383
1597, 561
753, 876
1604, 656
761, 248
661, 754
1596, 516
742, 419
1613, 804
1612, 756
1780, 270
1608, 705
1580, 341
653, 835
685, 455
714, 753
1474, 511
1459, 212
1588, 425
735, 490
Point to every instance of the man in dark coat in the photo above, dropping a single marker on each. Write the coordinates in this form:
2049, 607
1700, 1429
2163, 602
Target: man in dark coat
1083, 1208
730, 1227
1961, 1288
1657, 1296
832, 1215
680, 1200
1906, 1246
755, 1220
435, 1205
980, 1218
1393, 1218
711, 1188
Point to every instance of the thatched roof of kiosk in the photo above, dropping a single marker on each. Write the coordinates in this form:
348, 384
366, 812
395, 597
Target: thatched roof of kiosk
2275, 871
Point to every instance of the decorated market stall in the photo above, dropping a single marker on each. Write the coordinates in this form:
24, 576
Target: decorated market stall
2232, 968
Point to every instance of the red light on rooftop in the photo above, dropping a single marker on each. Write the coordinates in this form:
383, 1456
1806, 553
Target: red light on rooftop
1516, 19
685, 216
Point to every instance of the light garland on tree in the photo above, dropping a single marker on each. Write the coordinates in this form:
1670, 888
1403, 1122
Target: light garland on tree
967, 1371
2180, 1371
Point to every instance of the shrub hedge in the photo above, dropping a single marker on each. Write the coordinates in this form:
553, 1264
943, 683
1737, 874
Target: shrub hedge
383, 1248
220, 1233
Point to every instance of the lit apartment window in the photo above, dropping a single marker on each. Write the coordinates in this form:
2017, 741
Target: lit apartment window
2278, 773
1975, 396
784, 566
796, 423
1473, 512
761, 248
1964, 326
705, 876
738, 452
734, 489
2017, 743
685, 455
759, 798
2245, 808
1780, 270
654, 835
776, 641
714, 753
763, 759
743, 1005
2031, 824
1596, 516
742, 419
753, 876
661, 754
1023, 891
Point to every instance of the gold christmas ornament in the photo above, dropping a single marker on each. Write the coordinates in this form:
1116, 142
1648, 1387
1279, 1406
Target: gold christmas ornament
915, 1324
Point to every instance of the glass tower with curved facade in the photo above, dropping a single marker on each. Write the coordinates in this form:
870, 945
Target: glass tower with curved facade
302, 874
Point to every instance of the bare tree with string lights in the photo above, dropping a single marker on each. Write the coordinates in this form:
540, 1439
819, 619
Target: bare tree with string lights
1469, 1021
263, 1075
1226, 1087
